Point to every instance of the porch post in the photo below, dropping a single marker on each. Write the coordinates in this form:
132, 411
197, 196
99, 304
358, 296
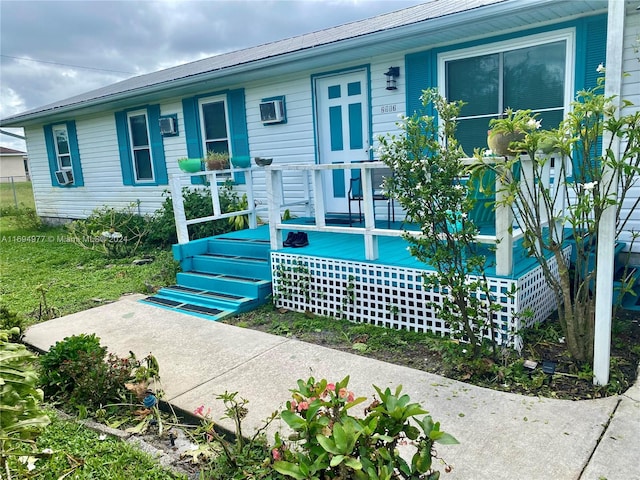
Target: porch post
178, 209
274, 201
504, 226
607, 229
370, 240
251, 205
318, 197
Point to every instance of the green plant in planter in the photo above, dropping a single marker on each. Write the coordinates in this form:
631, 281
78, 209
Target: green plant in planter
217, 160
509, 130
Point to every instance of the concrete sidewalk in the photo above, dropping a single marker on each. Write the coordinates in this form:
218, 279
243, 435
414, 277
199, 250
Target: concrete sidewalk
502, 435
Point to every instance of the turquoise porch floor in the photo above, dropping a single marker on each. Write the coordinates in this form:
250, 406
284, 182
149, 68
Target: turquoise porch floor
392, 250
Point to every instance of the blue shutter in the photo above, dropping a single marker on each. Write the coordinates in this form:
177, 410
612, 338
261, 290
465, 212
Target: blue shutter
157, 146
418, 78
238, 125
191, 127
51, 154
126, 163
595, 49
192, 134
76, 165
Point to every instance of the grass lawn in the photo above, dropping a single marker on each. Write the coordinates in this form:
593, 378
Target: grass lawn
79, 453
44, 274
20, 191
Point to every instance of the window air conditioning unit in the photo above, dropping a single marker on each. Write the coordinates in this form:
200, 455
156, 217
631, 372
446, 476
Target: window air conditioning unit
272, 111
64, 177
168, 126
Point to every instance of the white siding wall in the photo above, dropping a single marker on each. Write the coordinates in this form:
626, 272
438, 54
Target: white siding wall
631, 92
294, 141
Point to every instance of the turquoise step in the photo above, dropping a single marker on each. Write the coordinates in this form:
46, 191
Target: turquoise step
220, 276
204, 297
224, 283
239, 266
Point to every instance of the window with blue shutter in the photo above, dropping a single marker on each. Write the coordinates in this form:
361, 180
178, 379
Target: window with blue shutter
61, 140
140, 146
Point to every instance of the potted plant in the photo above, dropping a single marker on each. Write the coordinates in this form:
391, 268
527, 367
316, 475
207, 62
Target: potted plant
190, 165
510, 129
217, 160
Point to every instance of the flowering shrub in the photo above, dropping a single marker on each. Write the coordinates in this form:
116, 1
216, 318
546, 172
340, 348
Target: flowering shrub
593, 174
429, 182
328, 442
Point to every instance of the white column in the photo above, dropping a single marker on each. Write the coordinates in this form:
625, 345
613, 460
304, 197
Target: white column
274, 201
504, 226
370, 240
607, 229
178, 209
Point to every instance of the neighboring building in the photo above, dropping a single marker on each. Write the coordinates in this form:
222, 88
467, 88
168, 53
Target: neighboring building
13, 165
331, 93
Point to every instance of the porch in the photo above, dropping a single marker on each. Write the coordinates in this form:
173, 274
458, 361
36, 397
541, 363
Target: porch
359, 270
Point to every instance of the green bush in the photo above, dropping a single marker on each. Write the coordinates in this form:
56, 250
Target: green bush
78, 371
330, 443
197, 204
116, 233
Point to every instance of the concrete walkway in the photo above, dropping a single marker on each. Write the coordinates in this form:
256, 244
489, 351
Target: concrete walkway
502, 435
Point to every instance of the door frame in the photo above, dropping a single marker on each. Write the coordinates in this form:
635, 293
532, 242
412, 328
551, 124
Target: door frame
366, 70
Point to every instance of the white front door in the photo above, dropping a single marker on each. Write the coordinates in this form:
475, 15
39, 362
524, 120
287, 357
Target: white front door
342, 108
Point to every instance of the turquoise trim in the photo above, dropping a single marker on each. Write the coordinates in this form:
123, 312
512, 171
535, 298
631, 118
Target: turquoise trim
339, 188
156, 145
51, 154
354, 88
123, 148
238, 125
334, 91
335, 128
76, 166
420, 71
74, 152
355, 126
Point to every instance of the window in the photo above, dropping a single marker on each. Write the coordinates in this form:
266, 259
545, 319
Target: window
61, 144
140, 147
63, 154
215, 136
530, 73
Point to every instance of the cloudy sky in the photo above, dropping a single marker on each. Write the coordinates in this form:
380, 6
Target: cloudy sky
51, 50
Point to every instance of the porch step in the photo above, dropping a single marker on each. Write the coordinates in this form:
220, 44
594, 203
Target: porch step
220, 276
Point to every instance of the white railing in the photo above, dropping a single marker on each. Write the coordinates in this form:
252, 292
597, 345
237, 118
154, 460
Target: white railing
178, 181
313, 182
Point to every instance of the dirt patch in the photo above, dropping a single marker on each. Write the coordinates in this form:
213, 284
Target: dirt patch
503, 370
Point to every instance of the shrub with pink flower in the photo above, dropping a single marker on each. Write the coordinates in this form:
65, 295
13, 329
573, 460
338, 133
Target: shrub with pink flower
328, 442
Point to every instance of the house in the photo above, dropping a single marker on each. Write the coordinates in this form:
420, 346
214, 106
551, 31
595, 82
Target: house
13, 165
315, 103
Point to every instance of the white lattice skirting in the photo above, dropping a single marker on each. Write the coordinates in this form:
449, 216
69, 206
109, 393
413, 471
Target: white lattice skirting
394, 297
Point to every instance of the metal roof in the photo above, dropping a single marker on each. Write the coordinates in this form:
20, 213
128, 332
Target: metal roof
385, 33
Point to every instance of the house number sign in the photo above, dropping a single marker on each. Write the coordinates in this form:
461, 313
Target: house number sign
390, 108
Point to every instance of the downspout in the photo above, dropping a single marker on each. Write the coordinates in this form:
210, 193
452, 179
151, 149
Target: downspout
607, 229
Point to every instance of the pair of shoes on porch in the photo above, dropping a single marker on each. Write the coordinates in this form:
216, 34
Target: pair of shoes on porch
296, 239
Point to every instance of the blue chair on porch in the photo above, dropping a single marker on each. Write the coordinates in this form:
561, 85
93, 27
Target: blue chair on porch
355, 193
